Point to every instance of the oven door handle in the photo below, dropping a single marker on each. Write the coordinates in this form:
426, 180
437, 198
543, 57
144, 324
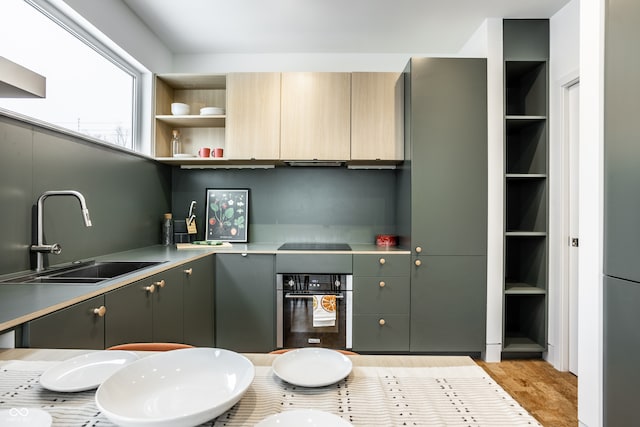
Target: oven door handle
298, 296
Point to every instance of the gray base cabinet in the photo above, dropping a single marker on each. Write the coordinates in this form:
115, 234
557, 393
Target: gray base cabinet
448, 304
173, 306
198, 290
245, 300
381, 306
78, 326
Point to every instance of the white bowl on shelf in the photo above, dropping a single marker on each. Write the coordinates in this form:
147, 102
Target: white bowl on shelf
176, 388
180, 109
211, 111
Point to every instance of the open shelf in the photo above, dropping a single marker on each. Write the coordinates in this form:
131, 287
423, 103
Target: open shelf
526, 204
526, 261
526, 145
525, 326
526, 88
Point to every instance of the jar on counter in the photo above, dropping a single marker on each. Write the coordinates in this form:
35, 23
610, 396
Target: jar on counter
167, 229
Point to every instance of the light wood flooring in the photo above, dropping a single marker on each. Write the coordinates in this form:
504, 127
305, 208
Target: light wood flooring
548, 395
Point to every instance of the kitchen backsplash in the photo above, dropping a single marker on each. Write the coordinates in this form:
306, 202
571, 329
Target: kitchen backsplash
299, 203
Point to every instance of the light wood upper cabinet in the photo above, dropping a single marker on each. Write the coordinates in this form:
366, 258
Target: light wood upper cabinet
377, 117
253, 116
316, 122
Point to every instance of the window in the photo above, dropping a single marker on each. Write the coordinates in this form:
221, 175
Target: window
89, 90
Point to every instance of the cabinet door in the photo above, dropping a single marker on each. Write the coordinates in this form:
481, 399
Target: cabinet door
77, 326
449, 148
129, 314
245, 302
380, 333
168, 306
316, 123
198, 302
621, 347
377, 119
448, 303
253, 116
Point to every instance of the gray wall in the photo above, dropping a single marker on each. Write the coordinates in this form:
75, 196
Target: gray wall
126, 195
299, 203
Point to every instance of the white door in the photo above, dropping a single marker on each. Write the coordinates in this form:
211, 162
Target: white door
573, 136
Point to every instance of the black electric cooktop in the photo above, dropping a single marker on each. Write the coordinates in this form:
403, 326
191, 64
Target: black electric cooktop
315, 247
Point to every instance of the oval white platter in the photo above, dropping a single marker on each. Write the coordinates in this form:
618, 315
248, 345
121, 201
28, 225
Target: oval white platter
312, 367
304, 418
85, 372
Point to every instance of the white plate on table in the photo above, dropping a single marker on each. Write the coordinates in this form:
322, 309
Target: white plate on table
175, 388
304, 417
312, 366
27, 417
85, 372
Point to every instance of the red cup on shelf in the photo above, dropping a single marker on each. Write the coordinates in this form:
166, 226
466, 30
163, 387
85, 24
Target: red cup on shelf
386, 240
217, 152
204, 152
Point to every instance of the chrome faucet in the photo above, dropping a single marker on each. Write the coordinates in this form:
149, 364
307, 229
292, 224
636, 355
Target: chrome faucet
40, 248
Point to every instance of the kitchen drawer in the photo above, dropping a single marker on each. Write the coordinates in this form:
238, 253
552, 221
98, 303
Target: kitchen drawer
370, 335
314, 263
373, 295
384, 264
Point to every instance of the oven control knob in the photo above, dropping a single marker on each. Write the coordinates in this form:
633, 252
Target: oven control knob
337, 283
381, 322
291, 283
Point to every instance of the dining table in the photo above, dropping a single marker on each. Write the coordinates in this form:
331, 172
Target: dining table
380, 390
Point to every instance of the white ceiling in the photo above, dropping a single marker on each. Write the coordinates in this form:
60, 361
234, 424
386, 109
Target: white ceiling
326, 26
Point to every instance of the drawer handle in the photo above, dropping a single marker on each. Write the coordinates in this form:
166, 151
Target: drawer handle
381, 322
150, 288
382, 284
418, 249
188, 271
382, 261
160, 284
100, 311
418, 263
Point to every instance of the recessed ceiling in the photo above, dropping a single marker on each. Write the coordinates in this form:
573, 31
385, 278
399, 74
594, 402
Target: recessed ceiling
326, 26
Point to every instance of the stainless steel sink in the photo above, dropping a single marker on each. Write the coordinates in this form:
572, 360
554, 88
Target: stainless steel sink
89, 272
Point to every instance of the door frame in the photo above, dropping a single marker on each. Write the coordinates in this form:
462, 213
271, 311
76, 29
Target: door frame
563, 327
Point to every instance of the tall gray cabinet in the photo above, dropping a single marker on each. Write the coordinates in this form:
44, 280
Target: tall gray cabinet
526, 55
443, 202
621, 220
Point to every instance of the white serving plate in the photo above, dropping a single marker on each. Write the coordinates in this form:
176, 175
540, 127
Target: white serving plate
85, 372
175, 388
27, 417
304, 417
211, 111
312, 366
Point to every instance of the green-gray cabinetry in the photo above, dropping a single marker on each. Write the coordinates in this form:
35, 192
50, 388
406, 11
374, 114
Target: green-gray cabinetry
78, 326
198, 289
172, 306
526, 52
621, 333
442, 194
245, 307
381, 294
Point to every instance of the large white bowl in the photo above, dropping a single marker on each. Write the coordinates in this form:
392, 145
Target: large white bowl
176, 388
180, 109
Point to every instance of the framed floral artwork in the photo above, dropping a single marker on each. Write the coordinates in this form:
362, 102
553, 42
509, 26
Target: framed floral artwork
227, 215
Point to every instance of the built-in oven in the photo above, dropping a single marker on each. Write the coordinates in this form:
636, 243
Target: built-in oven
314, 310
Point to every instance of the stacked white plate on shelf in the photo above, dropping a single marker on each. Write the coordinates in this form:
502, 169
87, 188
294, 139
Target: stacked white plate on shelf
211, 111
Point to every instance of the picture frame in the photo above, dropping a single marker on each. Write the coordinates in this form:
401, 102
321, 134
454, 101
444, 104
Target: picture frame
227, 214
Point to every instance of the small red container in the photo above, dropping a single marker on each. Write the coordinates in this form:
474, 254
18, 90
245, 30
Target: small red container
386, 240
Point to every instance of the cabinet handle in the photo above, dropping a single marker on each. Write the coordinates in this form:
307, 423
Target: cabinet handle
381, 322
244, 254
382, 284
188, 271
160, 284
382, 261
100, 311
418, 249
418, 263
150, 288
